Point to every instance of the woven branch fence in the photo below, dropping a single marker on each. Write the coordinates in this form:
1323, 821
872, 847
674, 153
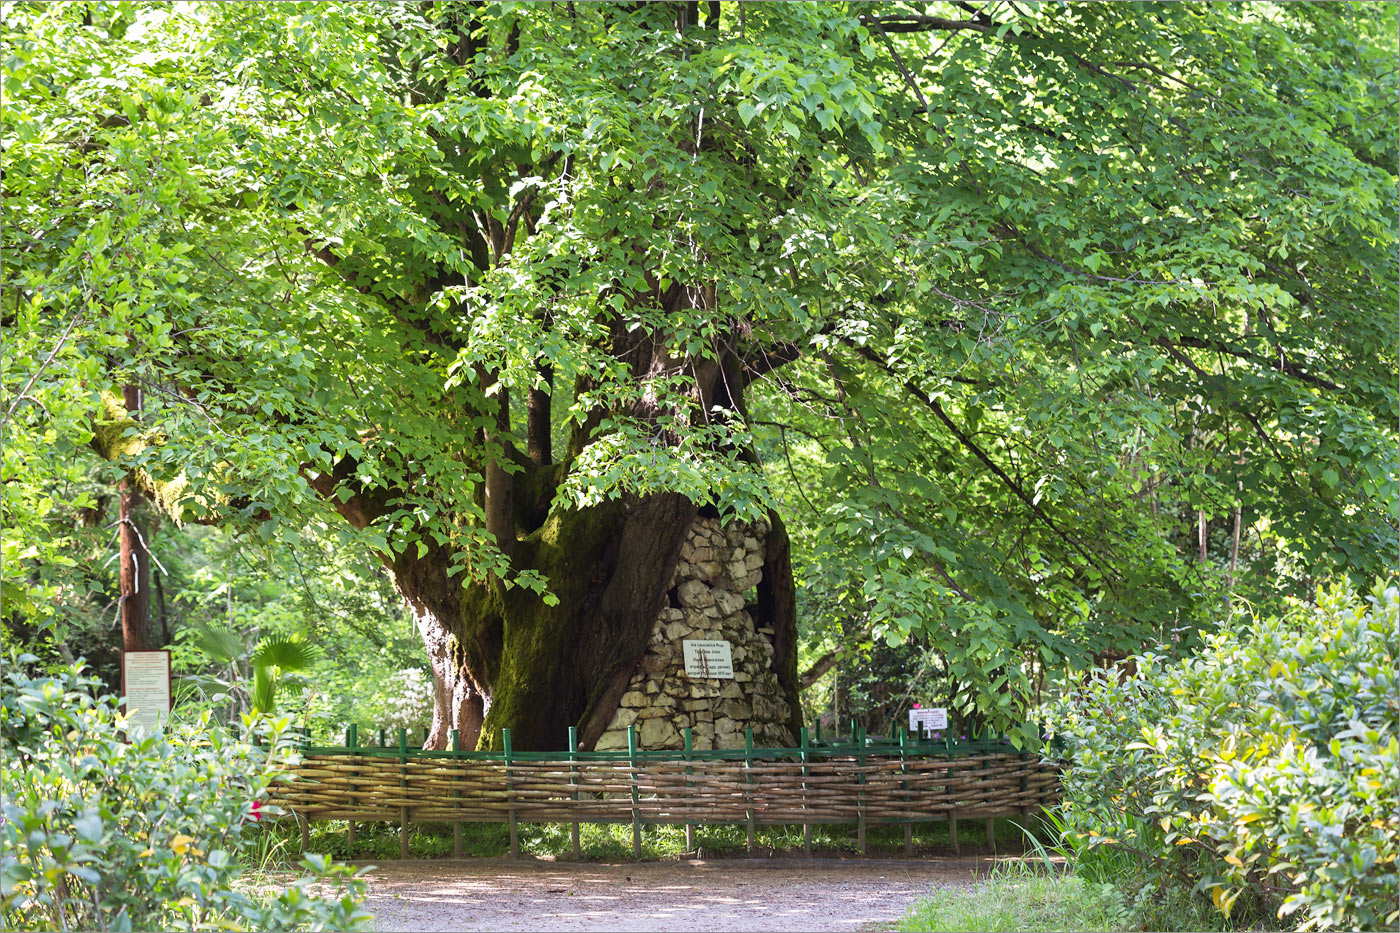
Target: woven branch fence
863, 781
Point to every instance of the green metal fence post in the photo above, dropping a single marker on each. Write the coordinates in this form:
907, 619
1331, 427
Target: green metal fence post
687, 736
573, 780
904, 785
860, 780
987, 739
1025, 788
748, 785
806, 826
352, 740
403, 790
456, 738
383, 739
950, 791
632, 781
819, 730
510, 796
303, 823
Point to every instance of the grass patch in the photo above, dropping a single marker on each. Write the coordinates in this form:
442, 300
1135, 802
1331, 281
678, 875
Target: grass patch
613, 842
1021, 898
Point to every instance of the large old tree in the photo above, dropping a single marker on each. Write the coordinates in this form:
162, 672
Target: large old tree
519, 290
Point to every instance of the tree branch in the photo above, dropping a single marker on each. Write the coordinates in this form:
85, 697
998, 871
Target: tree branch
1280, 365
966, 440
766, 359
908, 22
826, 662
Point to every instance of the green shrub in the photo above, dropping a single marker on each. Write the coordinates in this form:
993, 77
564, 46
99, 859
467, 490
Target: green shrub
102, 834
1261, 773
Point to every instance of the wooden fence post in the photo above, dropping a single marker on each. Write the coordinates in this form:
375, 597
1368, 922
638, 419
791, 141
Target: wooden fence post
303, 823
456, 796
806, 826
904, 785
510, 796
688, 736
403, 791
748, 785
352, 740
951, 790
987, 739
632, 783
860, 781
573, 780
1025, 787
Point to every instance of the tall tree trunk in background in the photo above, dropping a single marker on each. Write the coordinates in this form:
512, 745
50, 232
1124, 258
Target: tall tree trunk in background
135, 575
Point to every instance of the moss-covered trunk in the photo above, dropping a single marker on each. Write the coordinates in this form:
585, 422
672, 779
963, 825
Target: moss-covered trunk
538, 669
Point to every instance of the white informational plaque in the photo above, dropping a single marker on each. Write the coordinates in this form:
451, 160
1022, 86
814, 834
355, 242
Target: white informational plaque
932, 719
707, 659
146, 686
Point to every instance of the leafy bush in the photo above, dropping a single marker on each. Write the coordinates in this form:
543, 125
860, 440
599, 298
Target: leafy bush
1261, 772
102, 834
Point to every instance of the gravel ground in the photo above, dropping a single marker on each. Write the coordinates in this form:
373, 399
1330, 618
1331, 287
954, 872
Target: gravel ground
720, 895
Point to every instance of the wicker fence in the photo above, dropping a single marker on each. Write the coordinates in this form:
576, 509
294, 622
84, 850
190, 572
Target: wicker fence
862, 781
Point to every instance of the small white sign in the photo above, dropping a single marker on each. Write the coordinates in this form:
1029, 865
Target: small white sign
705, 660
146, 686
932, 719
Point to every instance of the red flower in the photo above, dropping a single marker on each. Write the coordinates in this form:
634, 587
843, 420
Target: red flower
257, 806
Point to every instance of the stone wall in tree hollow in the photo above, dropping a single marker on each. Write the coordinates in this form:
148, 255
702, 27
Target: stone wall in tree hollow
711, 598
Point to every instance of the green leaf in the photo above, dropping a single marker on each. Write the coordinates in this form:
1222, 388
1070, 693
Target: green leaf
287, 652
89, 826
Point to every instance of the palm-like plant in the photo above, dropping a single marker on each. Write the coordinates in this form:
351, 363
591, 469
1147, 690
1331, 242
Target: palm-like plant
275, 657
269, 663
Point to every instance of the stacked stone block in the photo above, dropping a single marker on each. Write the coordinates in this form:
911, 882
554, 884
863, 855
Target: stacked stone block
710, 598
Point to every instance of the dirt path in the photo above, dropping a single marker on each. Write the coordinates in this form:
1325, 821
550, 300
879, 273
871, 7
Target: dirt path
720, 895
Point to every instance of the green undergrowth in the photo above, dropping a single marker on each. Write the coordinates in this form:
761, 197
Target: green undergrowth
1018, 897
613, 842
1035, 895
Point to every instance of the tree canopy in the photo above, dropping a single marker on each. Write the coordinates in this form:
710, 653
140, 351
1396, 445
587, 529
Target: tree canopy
1046, 326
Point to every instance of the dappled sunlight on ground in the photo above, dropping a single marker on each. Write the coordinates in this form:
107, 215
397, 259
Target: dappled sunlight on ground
720, 895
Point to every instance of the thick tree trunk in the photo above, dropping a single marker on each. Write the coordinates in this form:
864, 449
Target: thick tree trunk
458, 703
567, 664
504, 659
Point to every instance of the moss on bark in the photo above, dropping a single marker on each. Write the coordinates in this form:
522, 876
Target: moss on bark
117, 437
609, 566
